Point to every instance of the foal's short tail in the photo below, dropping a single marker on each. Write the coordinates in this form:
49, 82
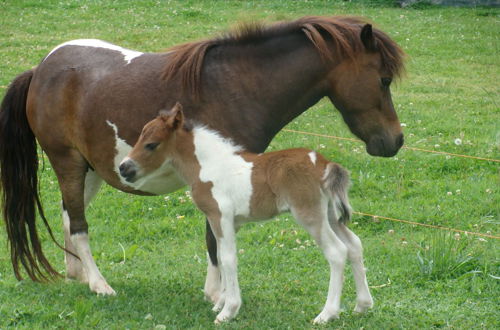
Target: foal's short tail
336, 183
19, 183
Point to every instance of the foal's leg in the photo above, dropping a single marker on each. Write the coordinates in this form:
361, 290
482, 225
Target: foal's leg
335, 252
74, 266
364, 299
230, 299
71, 171
213, 285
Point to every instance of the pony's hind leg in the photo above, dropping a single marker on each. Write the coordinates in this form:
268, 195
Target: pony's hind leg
315, 221
74, 266
71, 170
364, 300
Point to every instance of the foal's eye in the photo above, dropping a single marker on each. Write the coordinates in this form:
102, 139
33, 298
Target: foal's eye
386, 81
151, 146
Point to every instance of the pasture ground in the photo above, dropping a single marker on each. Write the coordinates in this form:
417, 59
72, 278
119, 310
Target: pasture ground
152, 252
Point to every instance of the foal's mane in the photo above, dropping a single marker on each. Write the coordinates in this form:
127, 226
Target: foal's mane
186, 60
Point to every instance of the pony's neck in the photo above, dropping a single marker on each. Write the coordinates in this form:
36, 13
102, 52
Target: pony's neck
266, 85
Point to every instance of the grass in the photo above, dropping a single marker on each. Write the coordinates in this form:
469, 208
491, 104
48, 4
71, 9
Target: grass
152, 249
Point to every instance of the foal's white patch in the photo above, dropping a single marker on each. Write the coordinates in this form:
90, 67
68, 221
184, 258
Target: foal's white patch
228, 171
128, 54
312, 155
162, 181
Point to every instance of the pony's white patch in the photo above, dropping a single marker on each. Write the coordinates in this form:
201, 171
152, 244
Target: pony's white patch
65, 216
92, 184
228, 171
164, 180
97, 283
128, 54
312, 155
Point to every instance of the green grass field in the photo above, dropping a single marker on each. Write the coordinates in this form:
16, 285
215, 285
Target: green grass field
151, 249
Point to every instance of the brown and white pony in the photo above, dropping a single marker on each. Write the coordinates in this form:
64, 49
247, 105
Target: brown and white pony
87, 101
233, 186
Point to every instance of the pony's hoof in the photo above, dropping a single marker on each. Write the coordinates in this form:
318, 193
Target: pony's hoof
222, 318
363, 306
324, 317
219, 305
217, 308
103, 288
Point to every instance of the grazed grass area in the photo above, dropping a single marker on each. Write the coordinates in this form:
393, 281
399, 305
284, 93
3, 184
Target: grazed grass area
451, 92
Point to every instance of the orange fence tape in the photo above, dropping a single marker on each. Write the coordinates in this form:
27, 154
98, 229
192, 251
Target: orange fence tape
428, 226
404, 147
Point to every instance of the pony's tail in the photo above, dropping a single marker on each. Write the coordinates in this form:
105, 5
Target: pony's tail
336, 182
19, 183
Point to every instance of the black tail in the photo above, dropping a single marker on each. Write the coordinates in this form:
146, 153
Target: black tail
337, 183
19, 182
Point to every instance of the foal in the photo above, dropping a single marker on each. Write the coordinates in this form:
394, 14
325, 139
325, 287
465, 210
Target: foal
233, 186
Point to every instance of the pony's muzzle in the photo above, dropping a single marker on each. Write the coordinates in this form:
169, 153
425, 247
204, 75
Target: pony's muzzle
128, 170
384, 146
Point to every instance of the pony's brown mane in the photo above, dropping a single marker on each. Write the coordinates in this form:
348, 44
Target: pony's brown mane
187, 59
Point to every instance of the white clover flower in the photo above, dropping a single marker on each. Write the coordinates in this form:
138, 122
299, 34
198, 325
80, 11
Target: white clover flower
458, 141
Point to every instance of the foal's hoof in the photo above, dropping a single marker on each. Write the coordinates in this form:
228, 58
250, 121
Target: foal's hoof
222, 318
363, 306
324, 317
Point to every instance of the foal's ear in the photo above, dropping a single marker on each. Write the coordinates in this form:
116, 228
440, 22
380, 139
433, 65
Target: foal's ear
173, 118
368, 39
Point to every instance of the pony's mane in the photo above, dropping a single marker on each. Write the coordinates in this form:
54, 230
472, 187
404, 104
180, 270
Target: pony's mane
186, 60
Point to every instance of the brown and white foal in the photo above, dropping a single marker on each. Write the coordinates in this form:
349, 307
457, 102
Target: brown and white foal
233, 186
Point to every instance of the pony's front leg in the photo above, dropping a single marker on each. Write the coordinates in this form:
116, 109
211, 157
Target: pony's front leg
230, 298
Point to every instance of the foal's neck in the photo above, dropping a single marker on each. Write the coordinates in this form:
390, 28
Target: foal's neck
202, 146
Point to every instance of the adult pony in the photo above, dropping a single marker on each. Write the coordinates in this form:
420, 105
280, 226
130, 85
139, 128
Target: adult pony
88, 100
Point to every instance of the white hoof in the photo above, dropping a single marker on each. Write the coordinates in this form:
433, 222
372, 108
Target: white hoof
325, 316
222, 318
363, 306
217, 308
102, 288
229, 311
219, 304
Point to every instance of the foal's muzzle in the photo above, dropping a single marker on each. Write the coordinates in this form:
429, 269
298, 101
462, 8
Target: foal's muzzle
128, 170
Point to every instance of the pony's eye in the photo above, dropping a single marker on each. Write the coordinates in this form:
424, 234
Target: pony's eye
386, 81
151, 146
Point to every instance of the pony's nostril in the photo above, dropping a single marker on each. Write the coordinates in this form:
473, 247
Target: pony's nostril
400, 140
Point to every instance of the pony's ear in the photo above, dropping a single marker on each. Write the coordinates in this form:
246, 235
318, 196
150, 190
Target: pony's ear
173, 118
368, 39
